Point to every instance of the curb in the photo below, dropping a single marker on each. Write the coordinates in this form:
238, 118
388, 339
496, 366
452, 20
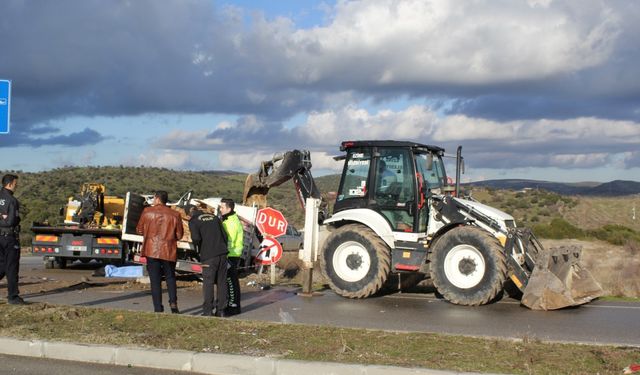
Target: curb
205, 363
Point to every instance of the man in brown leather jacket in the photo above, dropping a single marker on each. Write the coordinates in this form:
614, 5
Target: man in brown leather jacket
162, 228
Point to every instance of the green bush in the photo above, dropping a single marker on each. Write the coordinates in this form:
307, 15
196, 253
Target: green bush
611, 233
615, 234
558, 228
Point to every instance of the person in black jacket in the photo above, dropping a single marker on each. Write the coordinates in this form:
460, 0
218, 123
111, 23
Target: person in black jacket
9, 242
211, 241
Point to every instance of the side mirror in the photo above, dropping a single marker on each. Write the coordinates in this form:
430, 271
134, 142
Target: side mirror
429, 162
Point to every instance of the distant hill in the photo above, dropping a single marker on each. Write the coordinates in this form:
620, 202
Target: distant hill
607, 189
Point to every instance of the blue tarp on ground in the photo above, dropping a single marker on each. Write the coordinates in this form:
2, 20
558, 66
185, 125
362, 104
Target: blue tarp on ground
127, 271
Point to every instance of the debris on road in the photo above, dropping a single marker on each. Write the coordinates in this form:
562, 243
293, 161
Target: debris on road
632, 369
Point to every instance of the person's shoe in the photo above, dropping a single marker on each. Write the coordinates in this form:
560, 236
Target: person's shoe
233, 310
207, 314
16, 301
174, 309
221, 314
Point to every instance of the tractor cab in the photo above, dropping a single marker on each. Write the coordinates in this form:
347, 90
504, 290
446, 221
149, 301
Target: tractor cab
393, 178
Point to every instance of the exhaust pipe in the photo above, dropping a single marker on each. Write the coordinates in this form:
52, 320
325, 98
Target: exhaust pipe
459, 167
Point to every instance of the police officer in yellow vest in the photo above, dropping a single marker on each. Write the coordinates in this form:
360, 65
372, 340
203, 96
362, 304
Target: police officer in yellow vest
235, 243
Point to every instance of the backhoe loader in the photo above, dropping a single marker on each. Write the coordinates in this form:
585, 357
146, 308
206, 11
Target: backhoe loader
395, 215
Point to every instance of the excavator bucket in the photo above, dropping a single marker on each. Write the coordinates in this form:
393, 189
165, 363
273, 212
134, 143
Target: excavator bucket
559, 280
281, 168
255, 193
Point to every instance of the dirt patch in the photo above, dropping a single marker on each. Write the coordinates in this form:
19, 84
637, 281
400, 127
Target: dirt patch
36, 280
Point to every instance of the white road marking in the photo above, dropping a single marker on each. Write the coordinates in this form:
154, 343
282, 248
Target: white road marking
285, 317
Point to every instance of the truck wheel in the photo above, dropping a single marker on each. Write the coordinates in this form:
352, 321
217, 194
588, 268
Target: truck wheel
61, 263
355, 261
49, 264
468, 266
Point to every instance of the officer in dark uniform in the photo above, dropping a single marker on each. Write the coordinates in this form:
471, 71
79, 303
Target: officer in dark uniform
9, 242
210, 239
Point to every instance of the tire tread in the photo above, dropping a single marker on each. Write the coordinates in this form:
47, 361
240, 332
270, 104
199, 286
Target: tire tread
384, 262
454, 295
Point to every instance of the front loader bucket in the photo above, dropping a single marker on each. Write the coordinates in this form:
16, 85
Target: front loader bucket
560, 280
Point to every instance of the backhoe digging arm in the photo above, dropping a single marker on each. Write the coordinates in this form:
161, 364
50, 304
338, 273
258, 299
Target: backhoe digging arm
292, 165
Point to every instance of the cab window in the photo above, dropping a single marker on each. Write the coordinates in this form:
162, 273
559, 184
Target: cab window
394, 178
395, 187
434, 177
355, 174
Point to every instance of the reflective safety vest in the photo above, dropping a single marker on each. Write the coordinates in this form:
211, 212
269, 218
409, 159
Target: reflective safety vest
235, 234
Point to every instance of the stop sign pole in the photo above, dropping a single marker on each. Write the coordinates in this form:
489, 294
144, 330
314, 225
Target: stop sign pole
271, 223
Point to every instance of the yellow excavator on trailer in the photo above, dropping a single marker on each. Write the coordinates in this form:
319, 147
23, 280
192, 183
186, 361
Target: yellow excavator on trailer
396, 216
90, 230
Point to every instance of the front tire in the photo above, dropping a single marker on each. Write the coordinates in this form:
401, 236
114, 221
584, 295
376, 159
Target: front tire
468, 266
356, 261
49, 263
61, 263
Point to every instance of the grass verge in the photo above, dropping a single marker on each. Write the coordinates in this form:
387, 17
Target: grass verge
304, 342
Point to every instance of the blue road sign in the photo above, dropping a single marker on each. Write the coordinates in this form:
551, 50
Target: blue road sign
5, 106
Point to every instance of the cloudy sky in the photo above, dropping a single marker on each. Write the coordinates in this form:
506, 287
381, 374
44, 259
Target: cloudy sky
540, 89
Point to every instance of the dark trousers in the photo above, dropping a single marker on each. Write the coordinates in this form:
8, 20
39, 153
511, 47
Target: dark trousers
214, 273
233, 283
10, 264
156, 269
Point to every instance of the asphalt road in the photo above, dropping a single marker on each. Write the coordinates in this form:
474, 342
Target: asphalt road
39, 366
598, 322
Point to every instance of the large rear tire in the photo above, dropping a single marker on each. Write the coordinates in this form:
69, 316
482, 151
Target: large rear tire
468, 266
356, 261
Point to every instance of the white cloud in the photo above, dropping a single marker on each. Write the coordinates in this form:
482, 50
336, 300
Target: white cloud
251, 161
573, 143
213, 60
577, 58
591, 130
169, 159
479, 42
631, 160
187, 140
329, 128
579, 160
459, 127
